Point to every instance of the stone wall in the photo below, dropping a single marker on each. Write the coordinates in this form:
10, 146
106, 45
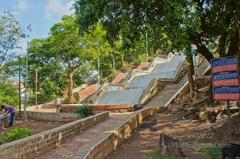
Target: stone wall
150, 92
30, 147
49, 116
113, 108
113, 139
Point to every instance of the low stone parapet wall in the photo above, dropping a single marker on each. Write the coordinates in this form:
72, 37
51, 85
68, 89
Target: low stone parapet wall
113, 108
50, 116
69, 108
115, 138
32, 146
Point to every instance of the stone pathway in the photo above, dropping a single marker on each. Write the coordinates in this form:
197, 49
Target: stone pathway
77, 147
170, 91
146, 140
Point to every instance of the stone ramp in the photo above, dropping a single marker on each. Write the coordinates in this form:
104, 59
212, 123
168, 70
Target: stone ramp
131, 93
77, 147
165, 96
171, 90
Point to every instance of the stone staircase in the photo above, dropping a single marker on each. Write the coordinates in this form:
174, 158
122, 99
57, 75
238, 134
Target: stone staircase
166, 95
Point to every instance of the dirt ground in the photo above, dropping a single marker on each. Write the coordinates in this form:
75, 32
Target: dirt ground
34, 125
146, 137
187, 128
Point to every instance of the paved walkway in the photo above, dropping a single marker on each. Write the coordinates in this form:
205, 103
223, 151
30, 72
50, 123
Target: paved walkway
146, 139
77, 147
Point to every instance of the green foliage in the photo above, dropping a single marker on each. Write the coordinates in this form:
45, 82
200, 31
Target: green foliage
157, 155
171, 25
51, 83
62, 52
51, 90
71, 54
143, 58
8, 95
98, 47
41, 99
212, 152
10, 34
85, 111
80, 74
68, 101
16, 134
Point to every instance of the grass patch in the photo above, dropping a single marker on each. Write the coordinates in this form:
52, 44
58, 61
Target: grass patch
85, 111
212, 152
16, 134
157, 155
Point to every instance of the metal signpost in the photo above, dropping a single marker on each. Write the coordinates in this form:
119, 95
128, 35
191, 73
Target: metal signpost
225, 81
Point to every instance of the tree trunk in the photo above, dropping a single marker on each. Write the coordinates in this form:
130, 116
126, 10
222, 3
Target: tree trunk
70, 86
190, 76
70, 81
201, 48
113, 63
122, 60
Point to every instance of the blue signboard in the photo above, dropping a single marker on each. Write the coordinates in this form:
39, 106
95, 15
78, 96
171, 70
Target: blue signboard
224, 61
224, 90
225, 75
225, 79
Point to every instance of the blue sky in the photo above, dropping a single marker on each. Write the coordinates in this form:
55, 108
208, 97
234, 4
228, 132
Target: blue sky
41, 14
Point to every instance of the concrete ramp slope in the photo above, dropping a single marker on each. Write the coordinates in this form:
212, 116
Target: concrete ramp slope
167, 95
166, 71
121, 97
136, 87
119, 79
87, 92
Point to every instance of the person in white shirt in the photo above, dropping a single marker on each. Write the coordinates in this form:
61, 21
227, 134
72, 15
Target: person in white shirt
58, 104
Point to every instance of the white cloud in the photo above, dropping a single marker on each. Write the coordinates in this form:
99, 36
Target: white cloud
22, 5
58, 7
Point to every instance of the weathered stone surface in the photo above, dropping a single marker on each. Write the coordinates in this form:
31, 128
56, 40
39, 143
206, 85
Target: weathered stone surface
50, 116
30, 147
169, 145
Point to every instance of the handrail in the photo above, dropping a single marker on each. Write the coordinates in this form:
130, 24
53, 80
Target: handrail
100, 92
148, 89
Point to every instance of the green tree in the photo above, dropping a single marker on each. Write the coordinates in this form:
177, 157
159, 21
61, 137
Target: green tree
67, 46
51, 83
8, 95
10, 34
69, 53
211, 25
97, 46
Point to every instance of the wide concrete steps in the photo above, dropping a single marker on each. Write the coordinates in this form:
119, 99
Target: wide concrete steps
167, 93
77, 147
171, 90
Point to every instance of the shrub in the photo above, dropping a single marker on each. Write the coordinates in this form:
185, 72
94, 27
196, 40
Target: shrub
212, 152
68, 101
16, 133
143, 58
85, 111
157, 155
8, 95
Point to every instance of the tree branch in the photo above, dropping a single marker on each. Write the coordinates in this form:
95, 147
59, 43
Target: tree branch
201, 48
233, 47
